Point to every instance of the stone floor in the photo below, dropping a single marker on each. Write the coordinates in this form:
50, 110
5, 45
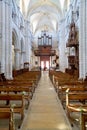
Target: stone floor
45, 111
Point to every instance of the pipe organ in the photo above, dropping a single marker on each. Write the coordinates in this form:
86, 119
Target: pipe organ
44, 39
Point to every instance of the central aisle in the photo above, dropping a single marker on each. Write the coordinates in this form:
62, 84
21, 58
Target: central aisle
45, 110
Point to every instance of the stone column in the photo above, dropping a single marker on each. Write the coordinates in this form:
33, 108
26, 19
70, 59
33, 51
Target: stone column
8, 41
86, 31
62, 46
18, 2
83, 39
2, 36
27, 50
27, 41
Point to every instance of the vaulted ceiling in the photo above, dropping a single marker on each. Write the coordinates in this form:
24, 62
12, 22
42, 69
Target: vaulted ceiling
42, 14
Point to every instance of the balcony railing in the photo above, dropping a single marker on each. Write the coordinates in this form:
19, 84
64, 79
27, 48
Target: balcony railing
45, 52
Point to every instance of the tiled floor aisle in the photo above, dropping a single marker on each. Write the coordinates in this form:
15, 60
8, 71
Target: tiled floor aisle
45, 110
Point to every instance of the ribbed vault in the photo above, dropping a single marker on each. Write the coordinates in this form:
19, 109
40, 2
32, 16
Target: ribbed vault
42, 14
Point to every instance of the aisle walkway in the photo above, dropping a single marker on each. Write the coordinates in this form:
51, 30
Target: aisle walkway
45, 110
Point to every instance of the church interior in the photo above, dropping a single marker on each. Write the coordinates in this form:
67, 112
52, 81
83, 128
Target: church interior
43, 64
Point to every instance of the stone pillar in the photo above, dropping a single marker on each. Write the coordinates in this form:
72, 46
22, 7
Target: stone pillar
2, 36
83, 38
24, 56
18, 2
62, 46
8, 41
86, 33
27, 41
27, 50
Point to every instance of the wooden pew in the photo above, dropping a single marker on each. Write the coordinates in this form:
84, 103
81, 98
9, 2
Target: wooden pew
23, 90
23, 85
66, 81
32, 76
31, 83
83, 121
13, 97
76, 102
5, 114
63, 78
22, 81
62, 91
34, 81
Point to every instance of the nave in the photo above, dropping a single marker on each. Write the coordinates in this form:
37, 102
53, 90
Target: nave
44, 35
45, 111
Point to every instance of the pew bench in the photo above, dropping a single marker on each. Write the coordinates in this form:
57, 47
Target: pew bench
26, 81
22, 86
62, 91
83, 120
5, 114
76, 104
14, 89
16, 98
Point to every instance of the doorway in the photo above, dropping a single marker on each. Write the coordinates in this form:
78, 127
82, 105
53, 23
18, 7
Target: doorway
45, 62
45, 65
